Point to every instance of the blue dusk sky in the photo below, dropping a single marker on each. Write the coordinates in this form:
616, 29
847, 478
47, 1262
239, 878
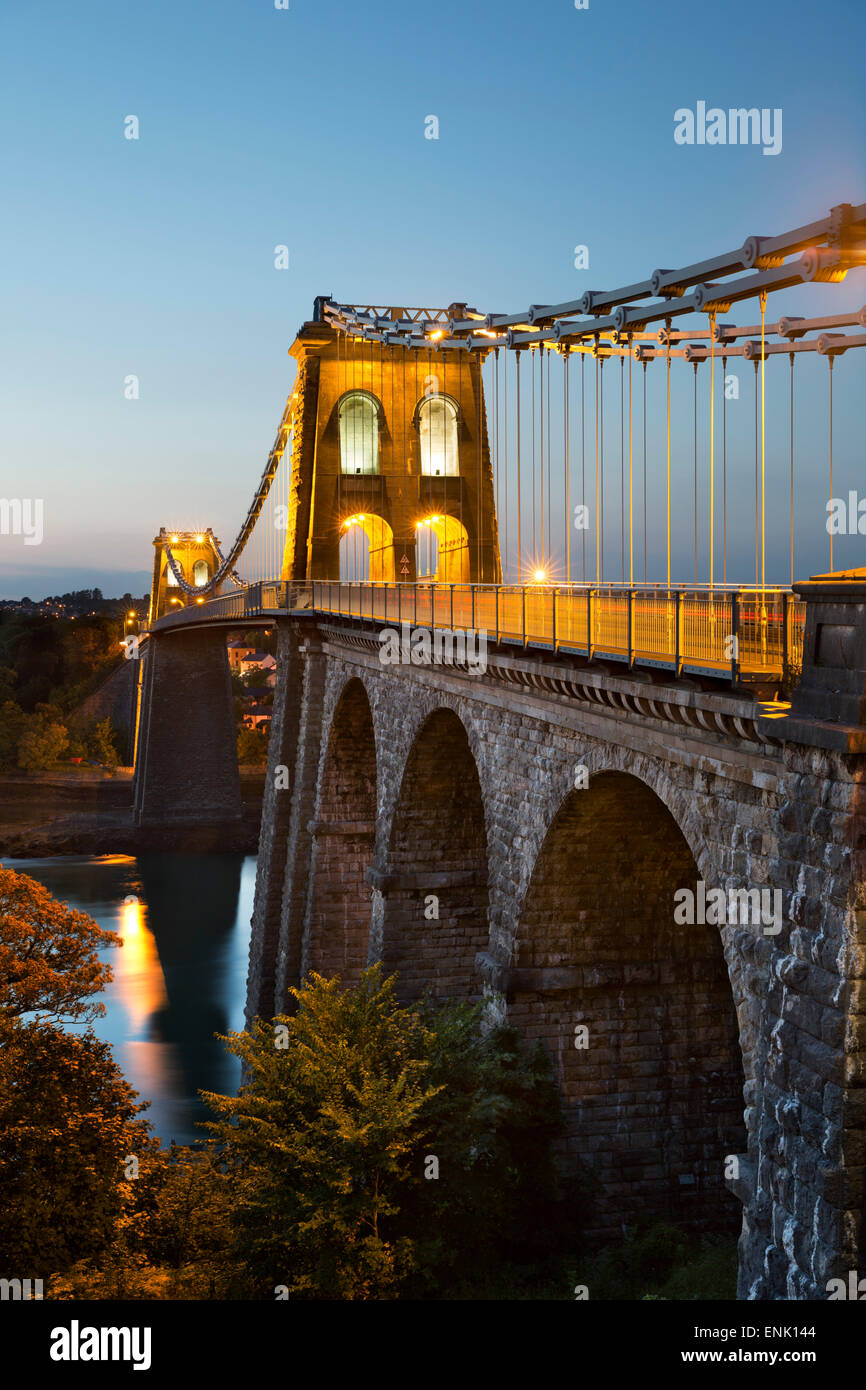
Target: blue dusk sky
306, 127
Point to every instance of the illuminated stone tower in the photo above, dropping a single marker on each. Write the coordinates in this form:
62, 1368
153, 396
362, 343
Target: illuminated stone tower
195, 552
393, 442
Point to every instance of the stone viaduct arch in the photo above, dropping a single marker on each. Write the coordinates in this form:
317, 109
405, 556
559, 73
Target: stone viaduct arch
653, 1088
434, 919
337, 925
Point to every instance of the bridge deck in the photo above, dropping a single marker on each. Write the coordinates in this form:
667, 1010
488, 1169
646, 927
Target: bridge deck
683, 629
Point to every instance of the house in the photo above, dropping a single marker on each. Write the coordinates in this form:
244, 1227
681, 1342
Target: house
258, 717
257, 661
237, 651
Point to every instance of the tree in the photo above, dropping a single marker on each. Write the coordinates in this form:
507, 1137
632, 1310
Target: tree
68, 1119
42, 743
491, 1127
322, 1133
8, 680
100, 743
68, 1129
48, 955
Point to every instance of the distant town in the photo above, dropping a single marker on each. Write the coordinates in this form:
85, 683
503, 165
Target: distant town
79, 603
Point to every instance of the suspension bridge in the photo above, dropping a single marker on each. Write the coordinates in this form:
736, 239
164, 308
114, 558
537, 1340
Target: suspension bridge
665, 707
530, 524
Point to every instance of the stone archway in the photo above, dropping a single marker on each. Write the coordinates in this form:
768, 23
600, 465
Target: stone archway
436, 892
653, 1089
366, 549
338, 917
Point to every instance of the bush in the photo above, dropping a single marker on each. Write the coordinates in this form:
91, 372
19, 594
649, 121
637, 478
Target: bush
657, 1261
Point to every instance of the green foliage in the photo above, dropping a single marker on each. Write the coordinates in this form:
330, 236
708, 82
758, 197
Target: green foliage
57, 659
708, 1273
8, 681
332, 1134
491, 1125
656, 1261
174, 1239
322, 1133
252, 746
42, 744
13, 722
99, 743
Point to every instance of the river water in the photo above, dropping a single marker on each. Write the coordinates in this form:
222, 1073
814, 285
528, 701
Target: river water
180, 976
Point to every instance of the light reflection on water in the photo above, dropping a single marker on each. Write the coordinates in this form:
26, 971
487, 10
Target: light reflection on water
180, 976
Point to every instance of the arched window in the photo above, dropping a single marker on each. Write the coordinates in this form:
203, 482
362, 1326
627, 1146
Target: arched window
200, 573
437, 425
359, 433
169, 573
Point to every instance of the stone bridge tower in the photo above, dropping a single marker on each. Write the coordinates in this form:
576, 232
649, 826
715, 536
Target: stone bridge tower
388, 440
195, 552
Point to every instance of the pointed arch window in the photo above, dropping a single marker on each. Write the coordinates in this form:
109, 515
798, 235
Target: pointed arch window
437, 426
359, 433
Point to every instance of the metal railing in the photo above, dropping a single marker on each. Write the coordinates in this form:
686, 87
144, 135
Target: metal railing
254, 600
741, 632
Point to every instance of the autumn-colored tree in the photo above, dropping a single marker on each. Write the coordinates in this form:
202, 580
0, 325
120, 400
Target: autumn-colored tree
49, 966
68, 1120
69, 1141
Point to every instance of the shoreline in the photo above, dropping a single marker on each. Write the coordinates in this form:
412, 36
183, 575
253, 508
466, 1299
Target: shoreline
90, 812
